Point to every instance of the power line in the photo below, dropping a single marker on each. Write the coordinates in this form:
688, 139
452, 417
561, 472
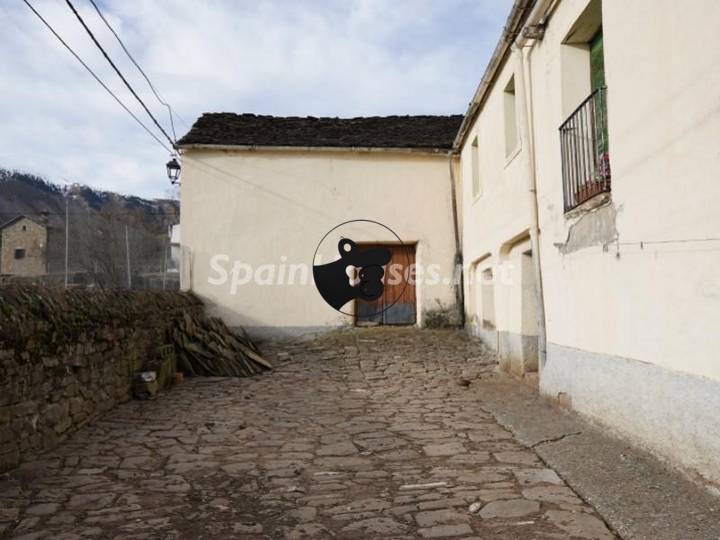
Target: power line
147, 79
61, 40
642, 243
119, 73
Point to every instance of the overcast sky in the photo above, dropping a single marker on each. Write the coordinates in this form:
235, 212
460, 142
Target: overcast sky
309, 57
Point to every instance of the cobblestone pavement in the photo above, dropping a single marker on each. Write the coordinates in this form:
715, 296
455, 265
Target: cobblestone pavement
363, 434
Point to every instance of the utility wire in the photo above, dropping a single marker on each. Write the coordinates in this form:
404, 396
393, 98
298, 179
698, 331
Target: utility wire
147, 79
119, 73
61, 40
642, 243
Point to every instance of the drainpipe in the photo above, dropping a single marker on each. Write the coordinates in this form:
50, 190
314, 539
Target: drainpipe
458, 270
523, 89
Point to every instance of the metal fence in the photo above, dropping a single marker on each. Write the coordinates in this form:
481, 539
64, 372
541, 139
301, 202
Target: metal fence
93, 250
584, 151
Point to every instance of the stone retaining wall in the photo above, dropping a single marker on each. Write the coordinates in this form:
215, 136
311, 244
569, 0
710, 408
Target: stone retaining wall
68, 356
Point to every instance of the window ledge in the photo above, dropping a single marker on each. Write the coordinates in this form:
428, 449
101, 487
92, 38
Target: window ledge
591, 204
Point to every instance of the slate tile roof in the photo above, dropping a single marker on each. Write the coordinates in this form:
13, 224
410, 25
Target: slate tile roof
418, 132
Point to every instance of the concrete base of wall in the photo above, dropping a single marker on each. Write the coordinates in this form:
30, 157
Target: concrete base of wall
287, 333
488, 337
672, 414
518, 353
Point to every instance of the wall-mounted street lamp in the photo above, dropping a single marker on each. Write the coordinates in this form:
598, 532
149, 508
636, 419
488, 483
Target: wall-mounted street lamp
173, 170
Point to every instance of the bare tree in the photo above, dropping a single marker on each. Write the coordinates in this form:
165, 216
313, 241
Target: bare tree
103, 250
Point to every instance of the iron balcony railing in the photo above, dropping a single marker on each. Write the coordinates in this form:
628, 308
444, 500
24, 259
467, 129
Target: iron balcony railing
584, 151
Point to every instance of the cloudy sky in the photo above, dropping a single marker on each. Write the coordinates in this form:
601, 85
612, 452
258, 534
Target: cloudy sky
304, 57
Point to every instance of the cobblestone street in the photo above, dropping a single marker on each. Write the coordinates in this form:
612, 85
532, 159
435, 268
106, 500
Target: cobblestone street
376, 433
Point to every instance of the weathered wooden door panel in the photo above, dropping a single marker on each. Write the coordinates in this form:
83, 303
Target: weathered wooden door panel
398, 305
369, 313
399, 294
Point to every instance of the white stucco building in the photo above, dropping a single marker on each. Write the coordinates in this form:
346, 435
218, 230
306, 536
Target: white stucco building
608, 156
259, 193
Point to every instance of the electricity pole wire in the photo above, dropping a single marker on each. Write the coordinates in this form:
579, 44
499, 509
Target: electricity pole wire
99, 81
119, 73
67, 237
147, 79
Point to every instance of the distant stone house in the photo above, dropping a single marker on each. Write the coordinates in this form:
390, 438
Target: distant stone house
23, 247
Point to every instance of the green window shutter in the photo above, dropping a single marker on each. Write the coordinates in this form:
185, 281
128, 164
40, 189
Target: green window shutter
597, 80
597, 62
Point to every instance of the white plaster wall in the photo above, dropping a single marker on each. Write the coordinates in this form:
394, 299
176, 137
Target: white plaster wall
260, 206
659, 303
500, 214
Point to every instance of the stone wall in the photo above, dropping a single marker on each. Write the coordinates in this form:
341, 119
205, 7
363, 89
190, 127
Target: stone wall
68, 356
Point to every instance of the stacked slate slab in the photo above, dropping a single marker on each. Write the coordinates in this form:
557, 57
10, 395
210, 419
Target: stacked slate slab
416, 132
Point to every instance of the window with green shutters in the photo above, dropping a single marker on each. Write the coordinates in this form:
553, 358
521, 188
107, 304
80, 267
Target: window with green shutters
584, 135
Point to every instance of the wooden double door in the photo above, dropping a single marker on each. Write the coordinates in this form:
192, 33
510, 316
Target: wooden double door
398, 303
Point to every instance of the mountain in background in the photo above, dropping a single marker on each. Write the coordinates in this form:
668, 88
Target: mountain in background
37, 198
105, 228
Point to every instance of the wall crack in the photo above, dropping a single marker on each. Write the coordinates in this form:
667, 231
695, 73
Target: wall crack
555, 439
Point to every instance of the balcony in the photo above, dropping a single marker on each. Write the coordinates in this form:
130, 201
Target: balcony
584, 151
